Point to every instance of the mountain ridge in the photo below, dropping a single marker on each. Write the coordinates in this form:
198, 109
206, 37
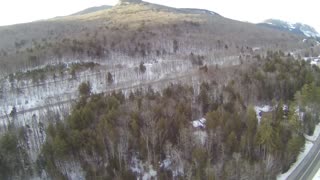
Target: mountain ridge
91, 10
135, 29
296, 28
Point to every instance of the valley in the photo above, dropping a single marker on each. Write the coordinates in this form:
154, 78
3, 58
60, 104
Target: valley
145, 91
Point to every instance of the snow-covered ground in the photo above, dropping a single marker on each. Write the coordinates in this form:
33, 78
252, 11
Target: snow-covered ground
260, 110
313, 60
315, 134
143, 171
303, 154
200, 123
317, 176
35, 100
200, 135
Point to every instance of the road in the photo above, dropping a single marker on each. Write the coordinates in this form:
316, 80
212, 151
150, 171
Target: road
309, 165
122, 86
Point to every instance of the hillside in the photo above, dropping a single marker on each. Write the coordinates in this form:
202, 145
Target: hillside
135, 30
91, 10
296, 28
145, 91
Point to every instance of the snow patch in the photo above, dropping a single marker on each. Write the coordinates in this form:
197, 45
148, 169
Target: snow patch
256, 48
291, 26
201, 136
142, 169
313, 60
316, 133
262, 109
136, 166
166, 163
149, 174
200, 123
173, 165
317, 175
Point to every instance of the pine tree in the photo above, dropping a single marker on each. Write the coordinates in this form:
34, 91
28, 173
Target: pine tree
268, 137
294, 119
84, 89
232, 142
294, 147
110, 78
247, 141
142, 67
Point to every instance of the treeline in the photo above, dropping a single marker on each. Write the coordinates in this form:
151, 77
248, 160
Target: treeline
53, 72
105, 132
15, 162
276, 76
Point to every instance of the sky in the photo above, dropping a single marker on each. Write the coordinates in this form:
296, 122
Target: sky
306, 11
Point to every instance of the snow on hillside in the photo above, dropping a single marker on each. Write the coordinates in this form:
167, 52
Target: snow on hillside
199, 133
317, 176
298, 28
38, 103
143, 171
307, 30
313, 60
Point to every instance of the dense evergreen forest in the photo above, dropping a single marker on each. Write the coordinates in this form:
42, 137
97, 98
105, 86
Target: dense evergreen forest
109, 134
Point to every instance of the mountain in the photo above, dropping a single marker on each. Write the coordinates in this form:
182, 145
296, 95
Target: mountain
135, 29
91, 10
145, 91
297, 28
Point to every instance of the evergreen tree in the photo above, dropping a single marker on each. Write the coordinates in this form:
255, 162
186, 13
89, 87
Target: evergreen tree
142, 67
110, 78
84, 89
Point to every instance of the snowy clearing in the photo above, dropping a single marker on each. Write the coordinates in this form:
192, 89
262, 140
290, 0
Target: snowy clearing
260, 110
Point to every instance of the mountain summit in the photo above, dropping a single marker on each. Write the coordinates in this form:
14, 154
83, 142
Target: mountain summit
129, 1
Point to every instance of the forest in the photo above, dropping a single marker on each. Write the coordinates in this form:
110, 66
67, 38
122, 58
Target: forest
119, 136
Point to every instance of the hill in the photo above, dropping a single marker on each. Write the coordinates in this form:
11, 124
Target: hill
91, 10
136, 30
296, 28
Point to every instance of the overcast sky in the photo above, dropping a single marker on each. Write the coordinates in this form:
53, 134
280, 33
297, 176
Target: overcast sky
306, 11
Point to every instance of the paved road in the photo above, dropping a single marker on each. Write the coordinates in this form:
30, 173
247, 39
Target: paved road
309, 165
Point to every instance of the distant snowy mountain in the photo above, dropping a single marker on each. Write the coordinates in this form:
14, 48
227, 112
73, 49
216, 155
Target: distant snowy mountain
297, 28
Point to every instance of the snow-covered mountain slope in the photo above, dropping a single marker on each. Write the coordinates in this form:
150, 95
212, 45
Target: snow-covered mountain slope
297, 28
